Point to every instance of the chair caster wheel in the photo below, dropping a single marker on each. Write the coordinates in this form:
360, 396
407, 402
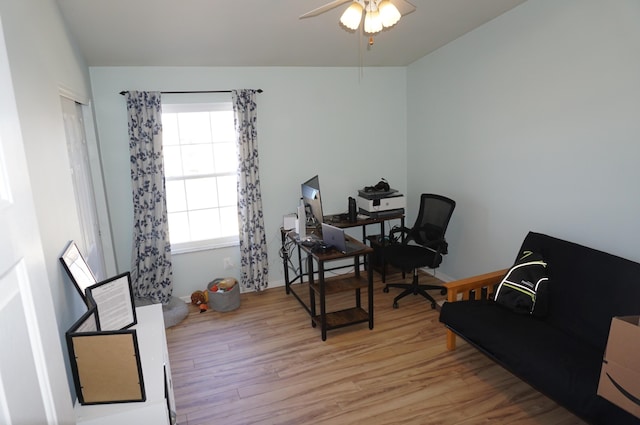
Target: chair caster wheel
385, 290
443, 291
395, 305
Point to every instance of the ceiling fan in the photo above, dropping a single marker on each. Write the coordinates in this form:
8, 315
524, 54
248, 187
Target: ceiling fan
378, 14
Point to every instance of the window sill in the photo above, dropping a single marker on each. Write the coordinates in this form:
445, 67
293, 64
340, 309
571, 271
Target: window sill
186, 248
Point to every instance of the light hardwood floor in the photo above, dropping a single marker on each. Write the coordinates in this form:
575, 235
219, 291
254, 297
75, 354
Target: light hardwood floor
264, 364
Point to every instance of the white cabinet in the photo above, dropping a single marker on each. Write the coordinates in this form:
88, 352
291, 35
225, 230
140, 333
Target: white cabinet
159, 407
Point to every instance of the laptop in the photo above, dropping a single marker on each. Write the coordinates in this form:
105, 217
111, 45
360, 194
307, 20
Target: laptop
333, 236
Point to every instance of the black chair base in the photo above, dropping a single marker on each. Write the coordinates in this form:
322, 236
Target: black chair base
414, 288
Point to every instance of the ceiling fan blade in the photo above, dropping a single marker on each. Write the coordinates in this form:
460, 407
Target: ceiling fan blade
403, 6
325, 8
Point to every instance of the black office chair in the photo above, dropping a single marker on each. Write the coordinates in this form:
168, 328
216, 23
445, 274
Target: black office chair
421, 246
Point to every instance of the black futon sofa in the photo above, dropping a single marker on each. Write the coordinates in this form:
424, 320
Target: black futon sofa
561, 353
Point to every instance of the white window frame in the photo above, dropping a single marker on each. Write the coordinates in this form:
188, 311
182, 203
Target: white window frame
178, 106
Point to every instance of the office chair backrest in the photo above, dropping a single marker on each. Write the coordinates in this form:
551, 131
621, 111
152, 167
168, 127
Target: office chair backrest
433, 218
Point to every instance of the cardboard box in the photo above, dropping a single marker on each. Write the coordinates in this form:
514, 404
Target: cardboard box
620, 374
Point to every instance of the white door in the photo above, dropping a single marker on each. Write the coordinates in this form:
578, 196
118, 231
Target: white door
31, 363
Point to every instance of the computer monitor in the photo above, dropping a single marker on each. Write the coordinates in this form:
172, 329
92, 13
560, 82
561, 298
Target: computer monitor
312, 201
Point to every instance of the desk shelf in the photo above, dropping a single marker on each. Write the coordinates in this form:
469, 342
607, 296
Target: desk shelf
349, 316
328, 320
341, 284
338, 319
378, 244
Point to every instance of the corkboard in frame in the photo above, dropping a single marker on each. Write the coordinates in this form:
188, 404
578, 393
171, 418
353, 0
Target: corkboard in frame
106, 366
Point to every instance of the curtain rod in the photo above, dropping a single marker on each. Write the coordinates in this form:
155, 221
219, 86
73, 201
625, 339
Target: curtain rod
194, 91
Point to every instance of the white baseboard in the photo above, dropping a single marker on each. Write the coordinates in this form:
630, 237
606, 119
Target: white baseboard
437, 274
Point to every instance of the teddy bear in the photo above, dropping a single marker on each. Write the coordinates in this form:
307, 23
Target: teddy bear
200, 299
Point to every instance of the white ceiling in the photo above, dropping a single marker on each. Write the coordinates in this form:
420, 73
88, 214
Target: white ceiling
260, 32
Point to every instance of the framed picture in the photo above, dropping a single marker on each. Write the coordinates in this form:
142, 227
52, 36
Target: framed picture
77, 269
87, 323
106, 366
113, 299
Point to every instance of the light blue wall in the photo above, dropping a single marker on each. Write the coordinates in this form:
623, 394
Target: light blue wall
347, 127
532, 122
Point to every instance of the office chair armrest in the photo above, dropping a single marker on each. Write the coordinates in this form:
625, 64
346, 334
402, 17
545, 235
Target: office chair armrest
469, 288
439, 245
399, 229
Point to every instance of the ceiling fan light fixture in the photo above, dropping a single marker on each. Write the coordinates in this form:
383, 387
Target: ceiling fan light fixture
352, 16
372, 22
389, 14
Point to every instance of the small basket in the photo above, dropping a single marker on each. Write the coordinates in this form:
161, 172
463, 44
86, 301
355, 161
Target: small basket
224, 301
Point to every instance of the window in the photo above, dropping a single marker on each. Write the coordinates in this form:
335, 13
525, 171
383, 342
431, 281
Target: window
200, 175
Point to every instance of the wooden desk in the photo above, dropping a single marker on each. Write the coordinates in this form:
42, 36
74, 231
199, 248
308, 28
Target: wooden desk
322, 287
338, 221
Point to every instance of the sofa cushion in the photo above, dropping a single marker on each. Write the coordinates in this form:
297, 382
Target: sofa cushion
562, 366
524, 287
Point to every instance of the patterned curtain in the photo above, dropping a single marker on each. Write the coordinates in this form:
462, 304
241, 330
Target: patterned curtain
151, 257
253, 241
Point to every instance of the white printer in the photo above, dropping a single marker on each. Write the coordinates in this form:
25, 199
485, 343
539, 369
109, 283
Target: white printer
380, 203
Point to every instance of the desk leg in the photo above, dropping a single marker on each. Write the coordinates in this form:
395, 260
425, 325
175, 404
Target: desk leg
312, 294
285, 262
370, 291
300, 264
323, 307
383, 264
364, 241
356, 267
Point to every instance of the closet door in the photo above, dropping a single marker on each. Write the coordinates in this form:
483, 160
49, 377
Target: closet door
91, 243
